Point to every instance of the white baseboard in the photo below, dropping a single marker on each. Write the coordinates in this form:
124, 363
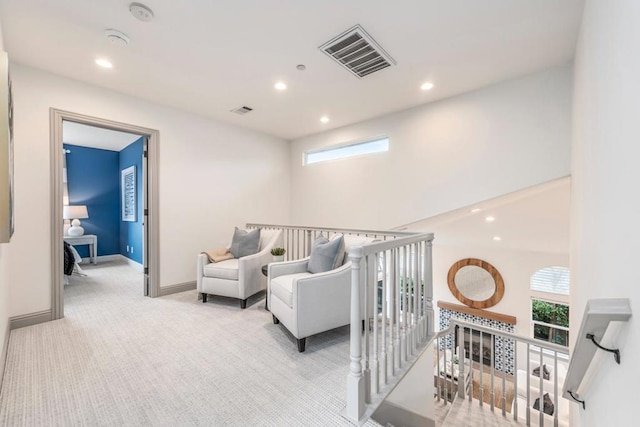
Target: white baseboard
139, 267
115, 257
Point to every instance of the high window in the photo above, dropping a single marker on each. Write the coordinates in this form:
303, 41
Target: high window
378, 145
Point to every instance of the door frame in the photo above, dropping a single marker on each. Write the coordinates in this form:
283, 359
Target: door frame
151, 222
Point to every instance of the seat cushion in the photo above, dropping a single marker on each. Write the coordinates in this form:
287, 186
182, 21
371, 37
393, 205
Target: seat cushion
222, 270
282, 286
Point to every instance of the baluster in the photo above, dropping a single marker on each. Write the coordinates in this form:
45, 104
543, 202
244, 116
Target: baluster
438, 376
444, 374
555, 388
372, 281
407, 307
480, 363
390, 301
416, 296
383, 344
428, 288
461, 376
528, 385
463, 359
397, 296
308, 243
355, 379
403, 286
515, 381
493, 371
367, 335
504, 379
541, 401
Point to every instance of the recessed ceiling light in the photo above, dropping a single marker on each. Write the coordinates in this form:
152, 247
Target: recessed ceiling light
475, 210
301, 67
497, 238
280, 86
324, 119
104, 63
427, 86
490, 219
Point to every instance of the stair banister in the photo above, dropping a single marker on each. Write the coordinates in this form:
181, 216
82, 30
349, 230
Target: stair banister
598, 315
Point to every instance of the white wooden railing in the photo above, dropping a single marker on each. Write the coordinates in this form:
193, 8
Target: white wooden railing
391, 306
392, 290
528, 353
297, 240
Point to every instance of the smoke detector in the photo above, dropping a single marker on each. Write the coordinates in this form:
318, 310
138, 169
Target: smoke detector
141, 12
117, 37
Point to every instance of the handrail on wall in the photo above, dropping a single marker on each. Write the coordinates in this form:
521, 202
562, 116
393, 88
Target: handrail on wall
598, 315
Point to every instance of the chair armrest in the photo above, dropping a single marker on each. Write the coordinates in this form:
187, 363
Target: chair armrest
277, 269
203, 260
323, 300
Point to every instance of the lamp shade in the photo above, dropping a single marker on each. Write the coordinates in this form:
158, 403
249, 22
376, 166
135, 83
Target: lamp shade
75, 212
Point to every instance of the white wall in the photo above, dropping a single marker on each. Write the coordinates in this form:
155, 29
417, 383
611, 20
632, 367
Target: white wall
212, 176
605, 198
443, 156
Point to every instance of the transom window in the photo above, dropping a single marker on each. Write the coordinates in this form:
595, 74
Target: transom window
378, 145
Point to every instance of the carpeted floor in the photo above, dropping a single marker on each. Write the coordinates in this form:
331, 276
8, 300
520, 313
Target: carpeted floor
118, 358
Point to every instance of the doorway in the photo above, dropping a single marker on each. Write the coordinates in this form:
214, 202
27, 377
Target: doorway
148, 175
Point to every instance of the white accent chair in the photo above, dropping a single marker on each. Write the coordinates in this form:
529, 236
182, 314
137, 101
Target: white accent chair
237, 277
307, 304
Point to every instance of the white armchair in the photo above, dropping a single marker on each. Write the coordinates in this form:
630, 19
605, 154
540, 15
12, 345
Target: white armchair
307, 304
237, 277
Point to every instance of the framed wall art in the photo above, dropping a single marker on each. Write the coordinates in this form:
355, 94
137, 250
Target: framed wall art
128, 190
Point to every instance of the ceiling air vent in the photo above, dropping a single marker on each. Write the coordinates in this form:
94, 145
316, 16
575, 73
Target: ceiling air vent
242, 110
358, 52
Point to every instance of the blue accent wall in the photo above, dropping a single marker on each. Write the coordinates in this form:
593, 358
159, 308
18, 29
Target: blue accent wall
93, 180
131, 233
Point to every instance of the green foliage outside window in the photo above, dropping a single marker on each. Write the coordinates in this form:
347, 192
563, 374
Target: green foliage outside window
552, 314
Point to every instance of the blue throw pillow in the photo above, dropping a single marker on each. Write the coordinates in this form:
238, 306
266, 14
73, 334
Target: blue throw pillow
245, 243
326, 254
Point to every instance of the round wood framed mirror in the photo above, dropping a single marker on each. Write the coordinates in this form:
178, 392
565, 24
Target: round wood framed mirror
475, 283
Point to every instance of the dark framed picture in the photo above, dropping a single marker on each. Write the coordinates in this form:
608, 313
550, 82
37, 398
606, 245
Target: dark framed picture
7, 223
128, 189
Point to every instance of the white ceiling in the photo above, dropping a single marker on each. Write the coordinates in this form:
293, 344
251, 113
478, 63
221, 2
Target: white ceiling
95, 137
535, 219
209, 56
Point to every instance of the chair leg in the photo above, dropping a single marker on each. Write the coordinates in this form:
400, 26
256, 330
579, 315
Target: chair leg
243, 303
275, 319
302, 342
204, 298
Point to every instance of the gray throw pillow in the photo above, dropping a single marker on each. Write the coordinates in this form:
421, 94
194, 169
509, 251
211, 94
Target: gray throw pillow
245, 243
326, 254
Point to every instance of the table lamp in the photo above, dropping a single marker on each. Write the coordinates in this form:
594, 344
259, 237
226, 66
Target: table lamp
75, 213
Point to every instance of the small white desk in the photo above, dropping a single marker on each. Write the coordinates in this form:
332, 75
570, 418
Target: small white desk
85, 239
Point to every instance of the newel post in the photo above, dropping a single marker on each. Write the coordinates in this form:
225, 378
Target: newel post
355, 379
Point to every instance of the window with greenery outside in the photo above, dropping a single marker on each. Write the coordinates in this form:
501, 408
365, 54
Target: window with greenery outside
550, 322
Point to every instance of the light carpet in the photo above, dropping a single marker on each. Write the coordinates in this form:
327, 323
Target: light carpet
118, 358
